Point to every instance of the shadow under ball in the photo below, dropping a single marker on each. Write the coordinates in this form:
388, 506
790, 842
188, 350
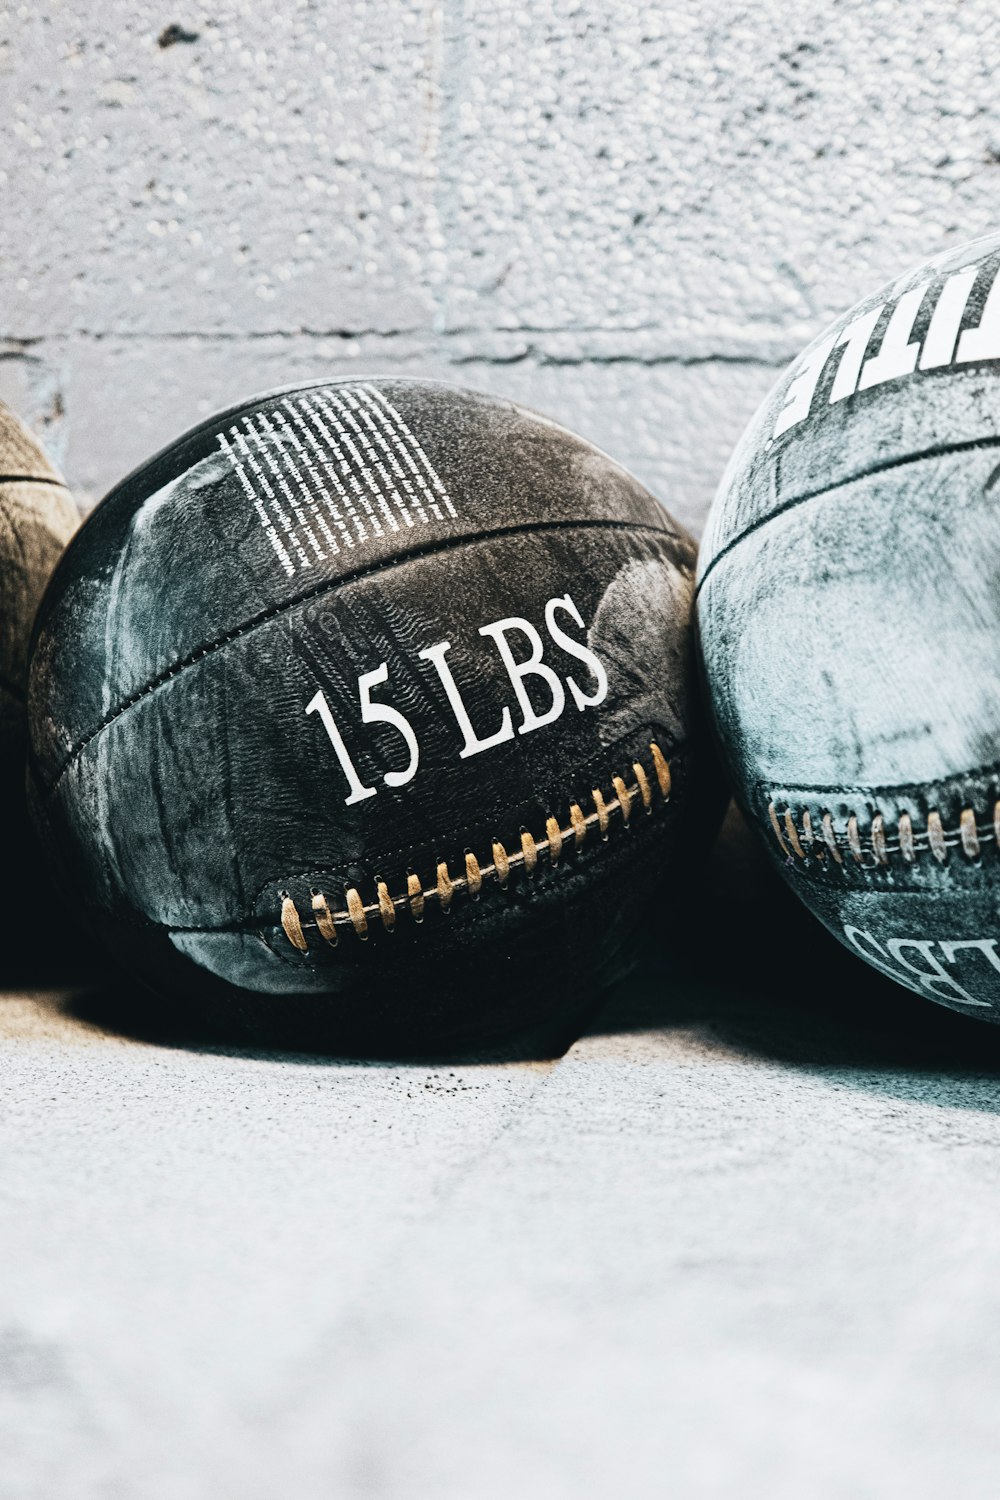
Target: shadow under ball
365, 713
849, 621
37, 518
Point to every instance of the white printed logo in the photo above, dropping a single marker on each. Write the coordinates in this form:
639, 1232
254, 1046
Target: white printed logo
328, 469
898, 354
914, 962
475, 740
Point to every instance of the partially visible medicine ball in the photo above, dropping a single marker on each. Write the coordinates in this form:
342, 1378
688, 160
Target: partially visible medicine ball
849, 616
365, 709
37, 519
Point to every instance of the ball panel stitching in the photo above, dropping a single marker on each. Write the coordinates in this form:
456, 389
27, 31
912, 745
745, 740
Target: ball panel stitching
938, 450
328, 586
800, 842
357, 913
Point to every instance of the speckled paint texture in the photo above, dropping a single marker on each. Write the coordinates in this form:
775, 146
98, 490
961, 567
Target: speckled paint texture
627, 216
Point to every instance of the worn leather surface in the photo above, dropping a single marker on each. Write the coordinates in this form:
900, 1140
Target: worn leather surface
849, 619
37, 518
185, 793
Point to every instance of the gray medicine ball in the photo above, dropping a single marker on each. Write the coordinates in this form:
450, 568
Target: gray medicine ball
849, 619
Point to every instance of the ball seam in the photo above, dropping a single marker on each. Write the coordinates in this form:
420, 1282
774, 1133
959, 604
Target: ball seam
275, 611
800, 841
938, 450
624, 799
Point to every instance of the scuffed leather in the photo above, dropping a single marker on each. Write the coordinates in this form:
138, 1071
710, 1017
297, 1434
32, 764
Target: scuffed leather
849, 621
184, 791
37, 518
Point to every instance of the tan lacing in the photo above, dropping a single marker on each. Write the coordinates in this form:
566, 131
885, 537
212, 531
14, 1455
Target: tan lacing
804, 840
357, 915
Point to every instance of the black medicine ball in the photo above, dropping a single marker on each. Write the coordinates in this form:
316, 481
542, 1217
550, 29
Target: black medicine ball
366, 709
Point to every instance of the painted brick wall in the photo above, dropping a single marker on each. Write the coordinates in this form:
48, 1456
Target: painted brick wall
625, 215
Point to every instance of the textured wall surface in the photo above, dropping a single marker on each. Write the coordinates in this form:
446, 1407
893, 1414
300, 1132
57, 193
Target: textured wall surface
624, 214
742, 1239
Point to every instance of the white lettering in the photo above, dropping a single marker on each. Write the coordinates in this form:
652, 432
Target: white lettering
374, 713
986, 946
533, 667
855, 340
856, 935
939, 345
474, 745
802, 387
359, 791
934, 975
983, 342
929, 978
897, 355
581, 652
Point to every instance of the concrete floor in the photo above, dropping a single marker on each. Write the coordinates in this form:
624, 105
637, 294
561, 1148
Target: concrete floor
741, 1238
